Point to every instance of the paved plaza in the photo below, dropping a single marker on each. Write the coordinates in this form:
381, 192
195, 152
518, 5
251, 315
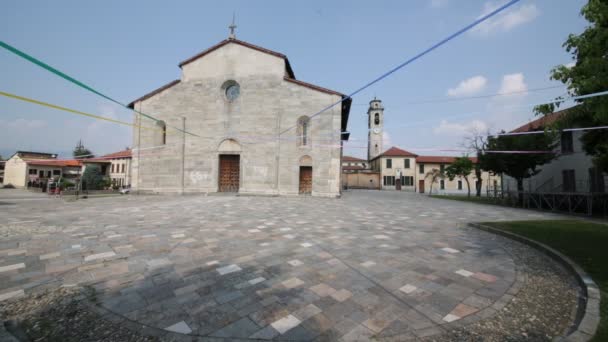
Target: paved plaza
371, 265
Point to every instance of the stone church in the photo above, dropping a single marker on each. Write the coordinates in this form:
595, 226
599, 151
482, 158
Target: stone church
251, 118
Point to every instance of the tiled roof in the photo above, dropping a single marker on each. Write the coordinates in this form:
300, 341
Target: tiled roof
396, 152
122, 154
352, 159
440, 159
540, 123
54, 162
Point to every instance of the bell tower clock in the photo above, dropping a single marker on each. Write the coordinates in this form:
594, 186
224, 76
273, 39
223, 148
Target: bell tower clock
375, 115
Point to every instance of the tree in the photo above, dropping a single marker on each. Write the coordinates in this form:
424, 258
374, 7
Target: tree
80, 152
92, 179
461, 167
518, 165
588, 74
434, 174
477, 142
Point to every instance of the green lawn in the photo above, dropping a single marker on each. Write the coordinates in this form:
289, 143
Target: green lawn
584, 242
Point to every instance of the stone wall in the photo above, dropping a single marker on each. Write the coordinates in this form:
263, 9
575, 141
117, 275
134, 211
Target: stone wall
267, 105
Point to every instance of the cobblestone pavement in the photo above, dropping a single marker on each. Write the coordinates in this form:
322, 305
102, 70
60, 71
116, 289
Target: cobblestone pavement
371, 265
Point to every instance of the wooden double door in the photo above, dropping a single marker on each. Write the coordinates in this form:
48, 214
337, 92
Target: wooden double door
230, 169
305, 180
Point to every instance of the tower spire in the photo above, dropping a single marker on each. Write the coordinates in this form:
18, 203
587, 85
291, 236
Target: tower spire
232, 27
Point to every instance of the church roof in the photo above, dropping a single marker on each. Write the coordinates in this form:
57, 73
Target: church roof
245, 44
396, 152
289, 77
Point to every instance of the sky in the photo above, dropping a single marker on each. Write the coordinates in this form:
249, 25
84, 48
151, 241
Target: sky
125, 49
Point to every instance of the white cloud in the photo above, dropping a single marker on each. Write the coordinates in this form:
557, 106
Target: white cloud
513, 83
507, 20
469, 86
438, 3
459, 129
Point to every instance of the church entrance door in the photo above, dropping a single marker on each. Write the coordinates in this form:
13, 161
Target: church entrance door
229, 173
421, 186
305, 180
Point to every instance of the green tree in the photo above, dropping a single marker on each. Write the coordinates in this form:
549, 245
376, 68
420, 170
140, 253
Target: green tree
80, 152
518, 165
587, 75
434, 175
92, 179
461, 167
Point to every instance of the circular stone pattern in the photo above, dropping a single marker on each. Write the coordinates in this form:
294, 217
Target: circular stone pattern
372, 265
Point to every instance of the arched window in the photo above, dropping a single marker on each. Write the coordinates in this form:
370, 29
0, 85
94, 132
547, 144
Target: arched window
377, 119
376, 148
161, 134
303, 131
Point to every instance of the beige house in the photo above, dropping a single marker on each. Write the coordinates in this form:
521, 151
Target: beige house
251, 118
444, 186
120, 168
397, 169
403, 170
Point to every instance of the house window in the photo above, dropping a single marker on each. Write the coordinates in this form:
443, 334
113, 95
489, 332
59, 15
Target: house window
568, 181
303, 130
41, 174
442, 184
406, 163
389, 163
112, 168
567, 143
442, 168
33, 171
56, 172
459, 185
389, 180
407, 180
123, 168
49, 174
596, 178
421, 168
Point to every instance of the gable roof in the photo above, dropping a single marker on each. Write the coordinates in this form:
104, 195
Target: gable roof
245, 44
440, 159
121, 154
540, 123
53, 162
352, 159
289, 77
395, 152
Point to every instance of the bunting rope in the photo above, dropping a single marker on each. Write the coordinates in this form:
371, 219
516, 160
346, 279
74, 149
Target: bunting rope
76, 82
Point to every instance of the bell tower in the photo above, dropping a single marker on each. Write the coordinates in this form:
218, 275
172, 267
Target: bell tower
375, 116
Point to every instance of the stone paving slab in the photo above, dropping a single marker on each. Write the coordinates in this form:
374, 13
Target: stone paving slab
369, 265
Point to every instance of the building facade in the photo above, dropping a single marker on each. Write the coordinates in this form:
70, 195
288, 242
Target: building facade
251, 118
571, 172
120, 168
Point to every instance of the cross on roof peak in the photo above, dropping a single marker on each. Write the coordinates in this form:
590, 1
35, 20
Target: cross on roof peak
232, 27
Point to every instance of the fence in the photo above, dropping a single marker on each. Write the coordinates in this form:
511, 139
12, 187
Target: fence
587, 203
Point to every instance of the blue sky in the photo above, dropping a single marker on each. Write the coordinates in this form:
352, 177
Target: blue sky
128, 48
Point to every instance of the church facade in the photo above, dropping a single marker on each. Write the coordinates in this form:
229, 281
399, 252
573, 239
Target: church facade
250, 125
